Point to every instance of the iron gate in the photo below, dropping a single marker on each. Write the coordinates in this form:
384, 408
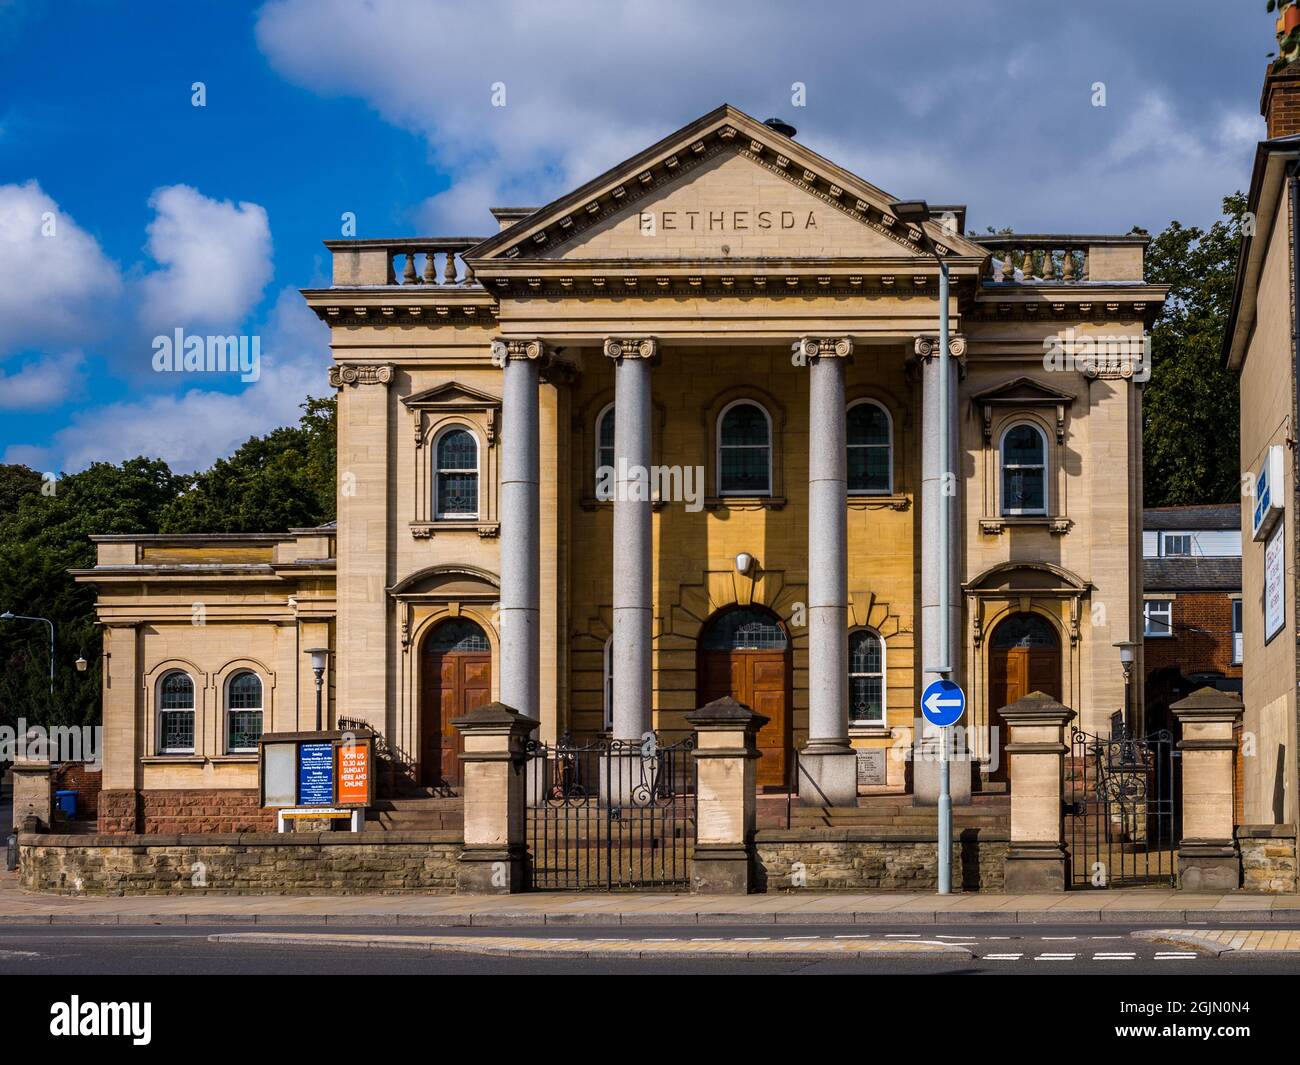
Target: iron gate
611, 815
1120, 810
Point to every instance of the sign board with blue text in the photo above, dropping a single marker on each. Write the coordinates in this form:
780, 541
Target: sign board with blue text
317, 770
1270, 492
315, 774
943, 703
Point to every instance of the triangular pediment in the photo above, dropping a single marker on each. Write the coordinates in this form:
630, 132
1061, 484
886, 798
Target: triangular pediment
1023, 391
725, 187
450, 396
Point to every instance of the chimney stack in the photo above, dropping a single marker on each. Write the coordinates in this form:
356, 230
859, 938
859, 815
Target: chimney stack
1280, 102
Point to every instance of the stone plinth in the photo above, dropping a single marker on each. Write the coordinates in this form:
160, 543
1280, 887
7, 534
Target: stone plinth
1207, 854
495, 858
1036, 855
33, 794
726, 758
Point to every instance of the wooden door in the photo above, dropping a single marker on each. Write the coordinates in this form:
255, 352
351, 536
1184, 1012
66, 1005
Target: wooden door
760, 680
1024, 657
454, 682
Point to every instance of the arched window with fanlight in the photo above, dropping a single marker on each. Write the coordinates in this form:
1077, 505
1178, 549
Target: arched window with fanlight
456, 479
1024, 470
176, 713
871, 449
744, 450
866, 678
243, 712
604, 445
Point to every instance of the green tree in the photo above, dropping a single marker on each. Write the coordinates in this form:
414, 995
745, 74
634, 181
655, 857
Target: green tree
1190, 438
284, 480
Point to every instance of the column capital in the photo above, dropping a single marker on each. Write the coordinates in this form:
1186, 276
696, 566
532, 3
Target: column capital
354, 374
823, 347
926, 346
506, 348
631, 347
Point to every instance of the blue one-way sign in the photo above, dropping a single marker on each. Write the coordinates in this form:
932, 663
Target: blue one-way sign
943, 703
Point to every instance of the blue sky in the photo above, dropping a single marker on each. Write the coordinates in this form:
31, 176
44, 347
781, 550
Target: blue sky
209, 219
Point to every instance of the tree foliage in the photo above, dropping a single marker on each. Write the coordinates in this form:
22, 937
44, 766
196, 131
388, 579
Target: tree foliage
1190, 438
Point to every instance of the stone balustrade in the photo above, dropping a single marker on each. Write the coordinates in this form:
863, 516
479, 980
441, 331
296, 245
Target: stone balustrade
436, 261
1064, 259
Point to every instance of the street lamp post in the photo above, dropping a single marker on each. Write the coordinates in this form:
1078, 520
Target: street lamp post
9, 615
917, 213
1126, 648
319, 659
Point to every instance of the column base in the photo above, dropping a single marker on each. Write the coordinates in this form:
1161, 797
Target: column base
1208, 865
722, 870
492, 871
1034, 868
828, 778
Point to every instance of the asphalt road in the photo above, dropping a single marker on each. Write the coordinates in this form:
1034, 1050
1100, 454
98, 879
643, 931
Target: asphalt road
1008, 950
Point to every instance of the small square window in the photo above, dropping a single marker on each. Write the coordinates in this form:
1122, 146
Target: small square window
1176, 545
1158, 615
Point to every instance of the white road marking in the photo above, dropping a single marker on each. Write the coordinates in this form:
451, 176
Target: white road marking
1053, 939
902, 935
752, 939
1003, 957
1113, 957
707, 939
852, 937
1163, 955
1055, 957
802, 937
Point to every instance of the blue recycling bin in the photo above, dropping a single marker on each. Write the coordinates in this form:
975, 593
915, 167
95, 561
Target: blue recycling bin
66, 801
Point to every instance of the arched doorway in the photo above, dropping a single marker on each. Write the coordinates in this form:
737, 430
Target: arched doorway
1024, 657
456, 672
744, 652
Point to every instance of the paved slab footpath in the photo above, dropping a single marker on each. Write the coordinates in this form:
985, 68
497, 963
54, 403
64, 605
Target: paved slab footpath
1161, 907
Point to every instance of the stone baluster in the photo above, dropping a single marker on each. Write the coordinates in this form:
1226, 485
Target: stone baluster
409, 276
430, 268
449, 268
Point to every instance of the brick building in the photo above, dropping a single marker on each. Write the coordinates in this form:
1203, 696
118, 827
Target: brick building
1192, 608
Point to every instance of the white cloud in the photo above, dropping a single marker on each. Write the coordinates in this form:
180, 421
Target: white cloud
191, 429
42, 382
215, 260
38, 458
52, 272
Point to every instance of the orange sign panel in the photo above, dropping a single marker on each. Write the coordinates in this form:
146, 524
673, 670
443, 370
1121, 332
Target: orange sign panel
354, 773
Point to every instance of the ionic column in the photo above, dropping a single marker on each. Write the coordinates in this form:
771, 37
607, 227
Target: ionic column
828, 764
520, 525
633, 604
939, 480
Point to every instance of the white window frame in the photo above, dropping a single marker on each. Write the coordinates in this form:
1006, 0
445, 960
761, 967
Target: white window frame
605, 411
1238, 634
1023, 512
1166, 607
228, 710
884, 683
744, 401
438, 471
160, 710
1165, 537
888, 490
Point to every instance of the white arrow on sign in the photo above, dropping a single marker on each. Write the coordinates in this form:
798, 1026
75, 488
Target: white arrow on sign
934, 701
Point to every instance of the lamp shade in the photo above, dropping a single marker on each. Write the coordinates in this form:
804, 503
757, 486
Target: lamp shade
319, 657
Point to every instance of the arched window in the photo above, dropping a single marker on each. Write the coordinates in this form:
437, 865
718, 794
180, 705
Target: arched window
1023, 630
605, 442
871, 450
609, 683
744, 450
744, 629
457, 634
243, 712
456, 483
866, 678
1024, 470
176, 714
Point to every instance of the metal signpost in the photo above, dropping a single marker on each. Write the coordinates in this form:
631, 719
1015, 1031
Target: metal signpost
943, 703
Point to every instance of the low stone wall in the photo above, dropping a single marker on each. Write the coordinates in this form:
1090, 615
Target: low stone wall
848, 859
1268, 858
171, 812
301, 863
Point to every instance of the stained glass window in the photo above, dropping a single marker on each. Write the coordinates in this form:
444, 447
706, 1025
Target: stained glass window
176, 714
866, 678
744, 629
243, 712
457, 634
870, 449
605, 441
457, 478
1024, 467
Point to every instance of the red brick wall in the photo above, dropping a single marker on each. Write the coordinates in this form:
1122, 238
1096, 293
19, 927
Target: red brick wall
1206, 651
76, 776
1280, 104
176, 812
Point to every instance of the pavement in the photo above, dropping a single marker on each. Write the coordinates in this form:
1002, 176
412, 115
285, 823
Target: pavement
1158, 907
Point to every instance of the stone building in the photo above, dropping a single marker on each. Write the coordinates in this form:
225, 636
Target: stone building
670, 437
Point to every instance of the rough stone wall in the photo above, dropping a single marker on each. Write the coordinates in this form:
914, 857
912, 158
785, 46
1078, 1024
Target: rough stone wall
176, 811
1268, 858
316, 863
849, 860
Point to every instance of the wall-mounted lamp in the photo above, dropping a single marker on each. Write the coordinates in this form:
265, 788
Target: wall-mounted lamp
745, 563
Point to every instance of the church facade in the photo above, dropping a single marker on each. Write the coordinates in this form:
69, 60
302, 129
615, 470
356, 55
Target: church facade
671, 437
